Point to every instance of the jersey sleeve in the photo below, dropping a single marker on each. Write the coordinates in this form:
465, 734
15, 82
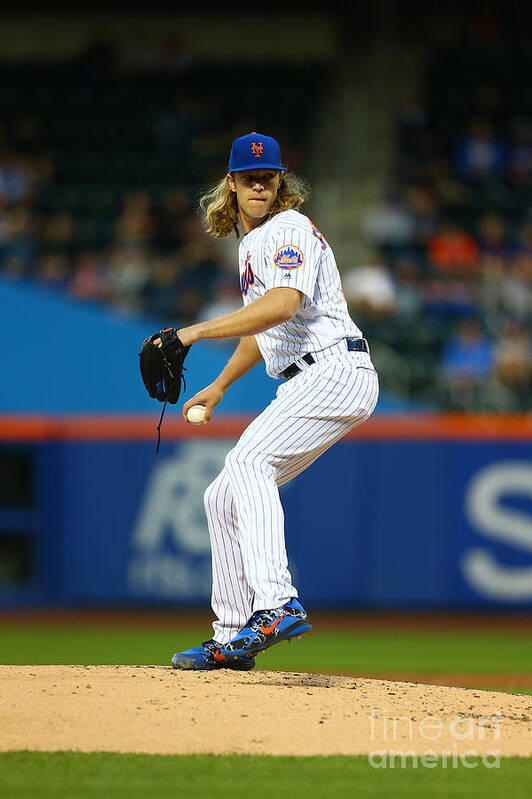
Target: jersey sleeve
292, 259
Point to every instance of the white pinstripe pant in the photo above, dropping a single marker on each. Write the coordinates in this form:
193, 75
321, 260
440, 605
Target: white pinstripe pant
311, 412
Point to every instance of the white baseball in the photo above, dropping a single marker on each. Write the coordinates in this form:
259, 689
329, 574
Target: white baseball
196, 414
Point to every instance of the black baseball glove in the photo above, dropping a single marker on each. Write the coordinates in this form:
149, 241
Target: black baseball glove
162, 369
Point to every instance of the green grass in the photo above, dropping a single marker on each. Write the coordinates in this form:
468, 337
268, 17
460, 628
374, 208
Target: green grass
27, 775
338, 651
113, 776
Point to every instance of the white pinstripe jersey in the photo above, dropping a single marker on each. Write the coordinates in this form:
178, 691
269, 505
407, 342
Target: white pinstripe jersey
288, 250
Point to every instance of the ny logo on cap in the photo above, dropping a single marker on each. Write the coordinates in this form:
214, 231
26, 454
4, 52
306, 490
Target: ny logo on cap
256, 149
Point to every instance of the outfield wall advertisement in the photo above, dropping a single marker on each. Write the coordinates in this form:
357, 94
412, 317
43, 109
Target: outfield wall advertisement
378, 521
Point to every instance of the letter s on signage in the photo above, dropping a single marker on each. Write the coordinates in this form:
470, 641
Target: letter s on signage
508, 526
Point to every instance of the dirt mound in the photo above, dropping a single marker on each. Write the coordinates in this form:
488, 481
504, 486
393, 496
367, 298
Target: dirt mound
157, 710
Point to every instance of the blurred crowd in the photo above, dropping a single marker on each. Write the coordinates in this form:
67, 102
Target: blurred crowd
159, 261
444, 295
101, 165
447, 287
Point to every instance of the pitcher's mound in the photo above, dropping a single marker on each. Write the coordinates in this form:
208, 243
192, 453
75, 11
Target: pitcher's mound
157, 710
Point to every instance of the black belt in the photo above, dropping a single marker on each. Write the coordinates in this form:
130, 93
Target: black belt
353, 345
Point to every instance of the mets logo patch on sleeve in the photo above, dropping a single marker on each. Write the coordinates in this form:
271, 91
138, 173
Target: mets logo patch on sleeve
288, 257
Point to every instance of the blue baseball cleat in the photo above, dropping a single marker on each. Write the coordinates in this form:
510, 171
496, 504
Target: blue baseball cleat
268, 627
208, 656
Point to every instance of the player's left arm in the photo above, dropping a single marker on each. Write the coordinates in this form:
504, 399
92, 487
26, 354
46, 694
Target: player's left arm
275, 307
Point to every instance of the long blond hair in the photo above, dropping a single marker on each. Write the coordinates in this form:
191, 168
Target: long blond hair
220, 209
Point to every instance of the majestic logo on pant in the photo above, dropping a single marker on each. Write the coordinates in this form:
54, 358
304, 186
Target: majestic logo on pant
288, 257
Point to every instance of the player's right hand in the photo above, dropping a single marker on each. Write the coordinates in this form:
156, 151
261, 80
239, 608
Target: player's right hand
209, 396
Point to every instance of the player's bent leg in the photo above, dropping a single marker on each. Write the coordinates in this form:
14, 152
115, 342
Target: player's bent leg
284, 440
311, 412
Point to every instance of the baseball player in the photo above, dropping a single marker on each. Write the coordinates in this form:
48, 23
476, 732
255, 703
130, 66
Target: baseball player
295, 318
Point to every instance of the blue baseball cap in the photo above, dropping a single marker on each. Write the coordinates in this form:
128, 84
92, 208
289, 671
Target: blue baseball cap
255, 151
